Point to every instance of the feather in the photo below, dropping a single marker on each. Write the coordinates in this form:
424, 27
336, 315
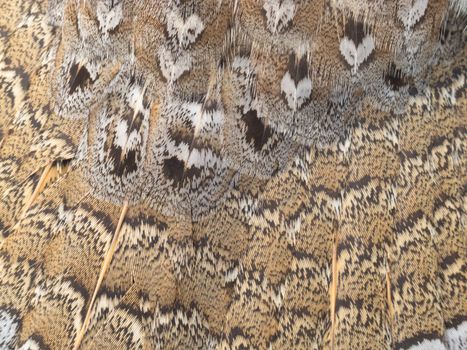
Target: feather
233, 174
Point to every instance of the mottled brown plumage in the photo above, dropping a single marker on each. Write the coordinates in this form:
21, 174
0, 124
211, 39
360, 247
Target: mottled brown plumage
220, 174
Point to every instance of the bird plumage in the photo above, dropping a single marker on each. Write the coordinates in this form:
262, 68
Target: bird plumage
274, 174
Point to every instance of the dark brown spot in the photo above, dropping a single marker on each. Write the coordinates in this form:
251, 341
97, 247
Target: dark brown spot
416, 340
115, 155
79, 77
123, 160
24, 77
256, 132
182, 136
413, 91
134, 122
298, 69
174, 169
193, 172
210, 106
130, 161
355, 31
394, 77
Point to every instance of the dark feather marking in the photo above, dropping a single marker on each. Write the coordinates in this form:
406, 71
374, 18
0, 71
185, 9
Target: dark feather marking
394, 77
174, 169
298, 70
355, 31
256, 132
78, 78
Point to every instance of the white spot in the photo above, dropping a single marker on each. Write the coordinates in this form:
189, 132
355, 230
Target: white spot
428, 345
410, 11
345, 147
30, 344
278, 296
355, 56
231, 275
279, 13
8, 329
204, 121
121, 136
456, 338
65, 216
137, 137
292, 228
458, 6
337, 204
296, 95
109, 17
182, 151
173, 67
241, 64
195, 158
186, 31
135, 98
82, 147
202, 157
104, 304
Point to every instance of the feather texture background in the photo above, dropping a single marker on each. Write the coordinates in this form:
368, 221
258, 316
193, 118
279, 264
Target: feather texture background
274, 174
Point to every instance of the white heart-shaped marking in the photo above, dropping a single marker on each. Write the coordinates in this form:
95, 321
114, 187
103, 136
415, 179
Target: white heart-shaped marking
173, 67
186, 31
279, 14
296, 95
355, 56
411, 11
